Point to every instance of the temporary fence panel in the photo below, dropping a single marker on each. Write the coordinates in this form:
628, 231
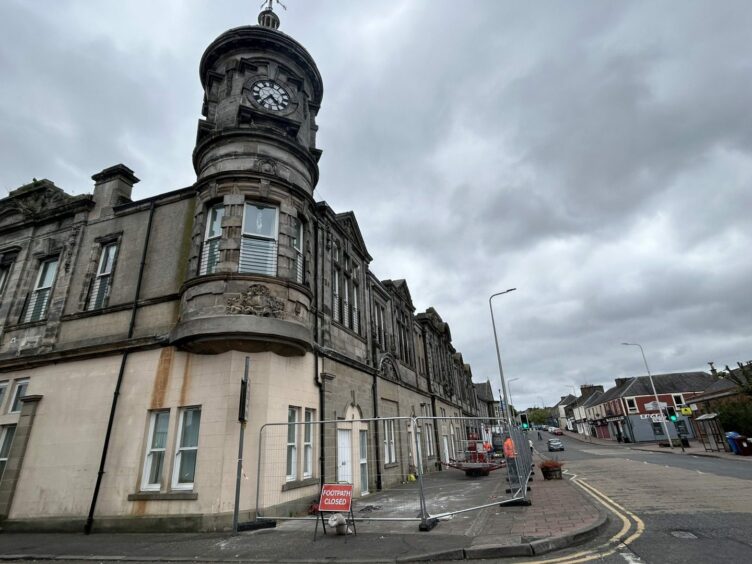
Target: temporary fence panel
377, 456
475, 474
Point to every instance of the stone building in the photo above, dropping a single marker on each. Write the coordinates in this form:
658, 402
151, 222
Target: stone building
125, 324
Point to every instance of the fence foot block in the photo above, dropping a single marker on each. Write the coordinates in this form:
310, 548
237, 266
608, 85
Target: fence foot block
428, 524
520, 502
255, 525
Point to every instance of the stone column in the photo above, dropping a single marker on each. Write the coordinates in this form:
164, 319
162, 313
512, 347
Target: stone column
16, 455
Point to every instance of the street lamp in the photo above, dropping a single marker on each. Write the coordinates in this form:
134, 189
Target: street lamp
498, 354
655, 394
509, 387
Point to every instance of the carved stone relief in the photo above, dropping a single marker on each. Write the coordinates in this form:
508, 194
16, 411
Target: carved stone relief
388, 370
257, 300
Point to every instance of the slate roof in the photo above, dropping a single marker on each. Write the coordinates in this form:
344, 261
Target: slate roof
484, 392
675, 383
613, 393
566, 400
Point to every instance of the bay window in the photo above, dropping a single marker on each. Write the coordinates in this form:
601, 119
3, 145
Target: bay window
212, 238
258, 246
297, 245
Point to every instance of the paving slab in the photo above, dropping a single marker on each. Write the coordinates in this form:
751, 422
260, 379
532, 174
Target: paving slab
560, 515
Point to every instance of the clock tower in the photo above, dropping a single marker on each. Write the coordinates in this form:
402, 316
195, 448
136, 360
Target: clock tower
249, 284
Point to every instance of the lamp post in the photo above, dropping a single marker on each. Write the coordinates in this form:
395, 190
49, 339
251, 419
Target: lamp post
498, 354
655, 394
509, 387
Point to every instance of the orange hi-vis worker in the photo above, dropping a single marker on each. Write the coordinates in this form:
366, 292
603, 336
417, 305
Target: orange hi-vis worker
509, 449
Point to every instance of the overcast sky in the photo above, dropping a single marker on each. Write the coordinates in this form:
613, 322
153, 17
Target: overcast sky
595, 155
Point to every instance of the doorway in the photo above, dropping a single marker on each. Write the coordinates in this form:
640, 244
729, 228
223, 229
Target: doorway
344, 456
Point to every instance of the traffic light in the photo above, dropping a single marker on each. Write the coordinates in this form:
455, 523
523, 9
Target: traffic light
671, 412
524, 423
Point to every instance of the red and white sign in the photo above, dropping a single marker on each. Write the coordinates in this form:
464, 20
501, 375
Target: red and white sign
335, 497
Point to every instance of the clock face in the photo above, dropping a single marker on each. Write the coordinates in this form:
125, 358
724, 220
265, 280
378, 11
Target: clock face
270, 95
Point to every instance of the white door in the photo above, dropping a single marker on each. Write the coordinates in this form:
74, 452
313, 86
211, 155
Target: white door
445, 450
363, 462
344, 456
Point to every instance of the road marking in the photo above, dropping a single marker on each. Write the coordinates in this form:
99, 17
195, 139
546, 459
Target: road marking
631, 557
613, 545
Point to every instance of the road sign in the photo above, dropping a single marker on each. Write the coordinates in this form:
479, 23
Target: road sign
686, 411
653, 406
335, 497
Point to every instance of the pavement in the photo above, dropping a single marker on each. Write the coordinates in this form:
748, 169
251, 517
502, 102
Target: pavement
560, 516
695, 448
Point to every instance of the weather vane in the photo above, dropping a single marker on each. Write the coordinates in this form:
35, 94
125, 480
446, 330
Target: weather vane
270, 4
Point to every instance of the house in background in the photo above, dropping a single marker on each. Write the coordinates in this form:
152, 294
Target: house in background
629, 412
563, 411
590, 394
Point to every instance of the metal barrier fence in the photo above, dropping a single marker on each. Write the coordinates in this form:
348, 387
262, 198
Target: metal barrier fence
402, 468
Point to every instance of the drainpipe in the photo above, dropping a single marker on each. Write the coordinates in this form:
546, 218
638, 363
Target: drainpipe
316, 380
121, 372
375, 396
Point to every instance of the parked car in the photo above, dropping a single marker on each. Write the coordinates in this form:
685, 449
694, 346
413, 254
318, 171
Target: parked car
557, 431
555, 444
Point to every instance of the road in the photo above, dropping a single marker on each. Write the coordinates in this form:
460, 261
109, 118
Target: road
668, 507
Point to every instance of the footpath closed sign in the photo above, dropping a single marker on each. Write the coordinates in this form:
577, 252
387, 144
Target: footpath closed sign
335, 497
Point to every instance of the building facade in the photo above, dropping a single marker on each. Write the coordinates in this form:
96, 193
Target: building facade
125, 324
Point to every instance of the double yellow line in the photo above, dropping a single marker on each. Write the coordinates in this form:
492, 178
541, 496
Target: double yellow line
632, 528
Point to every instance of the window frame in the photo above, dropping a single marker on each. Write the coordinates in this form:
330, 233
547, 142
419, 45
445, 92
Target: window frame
250, 237
635, 408
658, 429
297, 246
175, 483
309, 417
4, 275
5, 431
291, 452
150, 449
390, 452
210, 239
4, 385
29, 312
336, 296
96, 283
429, 440
681, 399
16, 396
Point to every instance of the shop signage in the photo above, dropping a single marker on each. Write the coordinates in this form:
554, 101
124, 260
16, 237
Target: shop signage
654, 406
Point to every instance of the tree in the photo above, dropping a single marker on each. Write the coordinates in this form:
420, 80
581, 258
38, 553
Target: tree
736, 416
537, 416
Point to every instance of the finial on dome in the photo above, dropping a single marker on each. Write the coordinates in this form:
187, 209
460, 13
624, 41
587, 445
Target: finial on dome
267, 17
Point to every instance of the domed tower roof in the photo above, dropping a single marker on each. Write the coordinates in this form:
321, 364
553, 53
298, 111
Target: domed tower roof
265, 35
